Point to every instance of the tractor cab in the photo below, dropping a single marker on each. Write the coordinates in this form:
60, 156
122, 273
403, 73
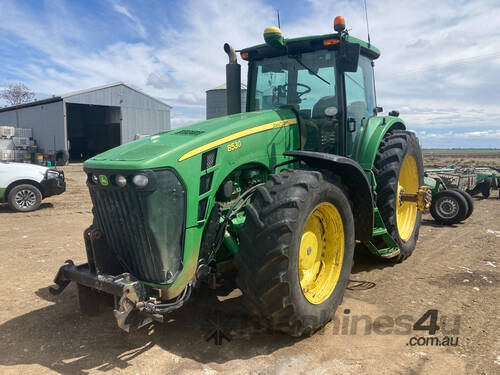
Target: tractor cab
327, 80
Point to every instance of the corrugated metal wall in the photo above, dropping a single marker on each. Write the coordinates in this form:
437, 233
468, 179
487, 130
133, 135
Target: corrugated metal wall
217, 103
141, 114
46, 120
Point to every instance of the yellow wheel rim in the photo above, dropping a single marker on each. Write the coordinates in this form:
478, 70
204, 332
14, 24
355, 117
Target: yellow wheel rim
321, 253
406, 212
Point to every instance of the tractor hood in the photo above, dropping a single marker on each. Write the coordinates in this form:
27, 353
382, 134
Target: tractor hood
168, 148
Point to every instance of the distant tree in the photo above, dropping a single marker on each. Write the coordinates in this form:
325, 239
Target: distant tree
17, 94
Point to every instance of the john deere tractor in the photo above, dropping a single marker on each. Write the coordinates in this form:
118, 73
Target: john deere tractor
281, 193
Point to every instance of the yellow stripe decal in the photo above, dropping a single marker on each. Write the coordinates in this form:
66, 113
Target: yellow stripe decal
243, 133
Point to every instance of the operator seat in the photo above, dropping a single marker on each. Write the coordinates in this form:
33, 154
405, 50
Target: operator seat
326, 126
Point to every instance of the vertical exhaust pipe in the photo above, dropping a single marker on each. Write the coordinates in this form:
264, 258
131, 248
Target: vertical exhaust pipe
233, 81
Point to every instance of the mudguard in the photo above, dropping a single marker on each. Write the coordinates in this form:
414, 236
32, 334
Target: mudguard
354, 177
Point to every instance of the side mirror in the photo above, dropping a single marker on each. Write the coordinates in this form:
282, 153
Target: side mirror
348, 56
377, 110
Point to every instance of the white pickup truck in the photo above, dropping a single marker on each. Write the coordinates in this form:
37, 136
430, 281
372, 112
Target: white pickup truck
23, 186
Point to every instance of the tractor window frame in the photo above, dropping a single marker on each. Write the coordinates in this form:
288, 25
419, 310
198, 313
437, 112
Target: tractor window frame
252, 76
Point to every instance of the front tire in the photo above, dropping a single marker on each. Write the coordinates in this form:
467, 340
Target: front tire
24, 198
296, 251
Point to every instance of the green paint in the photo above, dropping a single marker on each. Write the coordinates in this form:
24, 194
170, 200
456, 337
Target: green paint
2, 193
368, 139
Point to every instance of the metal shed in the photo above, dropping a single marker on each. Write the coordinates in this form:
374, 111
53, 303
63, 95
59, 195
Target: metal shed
87, 122
217, 101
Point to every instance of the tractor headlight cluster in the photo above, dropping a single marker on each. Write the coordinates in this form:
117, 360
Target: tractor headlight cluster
140, 180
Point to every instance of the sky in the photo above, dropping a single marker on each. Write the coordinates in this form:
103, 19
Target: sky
440, 61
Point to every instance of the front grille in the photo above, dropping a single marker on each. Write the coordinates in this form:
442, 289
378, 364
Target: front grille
119, 214
144, 228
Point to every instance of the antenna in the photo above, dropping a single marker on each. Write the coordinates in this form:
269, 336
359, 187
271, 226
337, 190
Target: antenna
278, 14
367, 26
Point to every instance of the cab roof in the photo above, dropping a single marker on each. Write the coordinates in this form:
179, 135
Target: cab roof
308, 43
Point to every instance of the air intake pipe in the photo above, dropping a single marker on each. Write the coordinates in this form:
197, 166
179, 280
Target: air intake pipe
233, 81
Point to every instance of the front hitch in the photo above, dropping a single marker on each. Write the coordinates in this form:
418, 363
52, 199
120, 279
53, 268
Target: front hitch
130, 294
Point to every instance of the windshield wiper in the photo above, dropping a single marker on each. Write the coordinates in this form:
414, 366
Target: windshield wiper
310, 70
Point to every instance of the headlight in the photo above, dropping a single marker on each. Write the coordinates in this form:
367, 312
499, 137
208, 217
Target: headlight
120, 180
140, 180
52, 174
95, 179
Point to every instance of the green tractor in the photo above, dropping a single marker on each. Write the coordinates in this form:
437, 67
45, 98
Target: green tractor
281, 194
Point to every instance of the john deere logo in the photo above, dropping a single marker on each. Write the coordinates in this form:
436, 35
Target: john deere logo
103, 180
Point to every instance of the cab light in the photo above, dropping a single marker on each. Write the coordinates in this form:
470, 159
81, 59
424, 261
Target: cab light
95, 179
120, 180
330, 42
244, 55
140, 180
339, 24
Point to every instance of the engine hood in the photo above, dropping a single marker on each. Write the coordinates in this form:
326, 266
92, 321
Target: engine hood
168, 148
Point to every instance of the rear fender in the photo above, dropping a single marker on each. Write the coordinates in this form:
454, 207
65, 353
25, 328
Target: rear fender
354, 178
370, 137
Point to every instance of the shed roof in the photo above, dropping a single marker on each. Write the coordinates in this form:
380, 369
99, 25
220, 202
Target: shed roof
74, 93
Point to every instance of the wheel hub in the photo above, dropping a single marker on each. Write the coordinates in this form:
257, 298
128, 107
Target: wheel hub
308, 250
447, 207
25, 198
321, 253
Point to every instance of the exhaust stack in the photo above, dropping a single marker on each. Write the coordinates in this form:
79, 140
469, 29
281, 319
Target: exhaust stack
233, 81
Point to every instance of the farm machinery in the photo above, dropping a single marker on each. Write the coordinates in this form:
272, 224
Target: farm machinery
452, 189
280, 194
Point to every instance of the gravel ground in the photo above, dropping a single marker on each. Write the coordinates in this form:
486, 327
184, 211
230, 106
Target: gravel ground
454, 270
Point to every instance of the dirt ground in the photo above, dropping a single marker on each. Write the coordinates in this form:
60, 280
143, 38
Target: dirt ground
454, 270
472, 158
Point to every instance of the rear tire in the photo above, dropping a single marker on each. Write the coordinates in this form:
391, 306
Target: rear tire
271, 259
395, 149
24, 198
470, 202
449, 207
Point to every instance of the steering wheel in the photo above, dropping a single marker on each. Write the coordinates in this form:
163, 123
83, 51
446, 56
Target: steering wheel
299, 94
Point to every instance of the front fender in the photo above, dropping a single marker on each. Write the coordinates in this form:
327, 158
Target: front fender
370, 137
354, 178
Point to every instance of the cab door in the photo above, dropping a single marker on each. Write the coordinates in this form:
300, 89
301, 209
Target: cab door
360, 101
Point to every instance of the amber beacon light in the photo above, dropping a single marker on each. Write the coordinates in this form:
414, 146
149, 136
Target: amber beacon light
339, 24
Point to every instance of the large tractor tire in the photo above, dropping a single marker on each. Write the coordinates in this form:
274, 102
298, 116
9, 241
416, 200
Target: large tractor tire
399, 168
296, 251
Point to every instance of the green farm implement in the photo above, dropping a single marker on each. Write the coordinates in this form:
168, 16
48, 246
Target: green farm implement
453, 187
279, 194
